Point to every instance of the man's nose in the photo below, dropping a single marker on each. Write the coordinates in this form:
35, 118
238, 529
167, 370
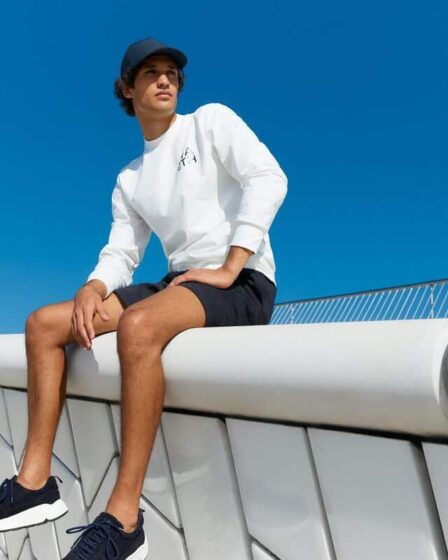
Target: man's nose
163, 79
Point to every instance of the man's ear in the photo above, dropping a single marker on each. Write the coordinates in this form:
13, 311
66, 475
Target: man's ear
127, 91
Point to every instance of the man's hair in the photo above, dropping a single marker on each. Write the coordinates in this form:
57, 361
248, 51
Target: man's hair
128, 79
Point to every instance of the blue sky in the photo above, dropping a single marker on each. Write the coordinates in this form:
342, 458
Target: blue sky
349, 96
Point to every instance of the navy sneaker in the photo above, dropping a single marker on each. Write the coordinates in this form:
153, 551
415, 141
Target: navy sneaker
105, 539
21, 507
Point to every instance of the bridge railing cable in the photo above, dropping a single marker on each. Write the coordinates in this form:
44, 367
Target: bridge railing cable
426, 300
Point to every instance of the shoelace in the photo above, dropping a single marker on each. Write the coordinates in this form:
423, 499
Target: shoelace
93, 535
6, 487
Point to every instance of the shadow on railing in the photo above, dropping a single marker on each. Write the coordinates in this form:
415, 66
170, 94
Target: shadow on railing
427, 300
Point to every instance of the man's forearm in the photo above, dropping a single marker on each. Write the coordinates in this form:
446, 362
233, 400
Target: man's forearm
237, 257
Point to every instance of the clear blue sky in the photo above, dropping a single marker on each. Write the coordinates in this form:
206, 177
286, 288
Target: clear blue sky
350, 97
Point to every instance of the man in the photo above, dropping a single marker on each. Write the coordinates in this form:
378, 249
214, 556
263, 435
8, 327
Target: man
210, 190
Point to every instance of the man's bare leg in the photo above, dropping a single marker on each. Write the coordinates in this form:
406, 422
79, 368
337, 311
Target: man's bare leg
143, 331
48, 330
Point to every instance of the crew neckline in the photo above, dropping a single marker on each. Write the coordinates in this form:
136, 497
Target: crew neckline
149, 145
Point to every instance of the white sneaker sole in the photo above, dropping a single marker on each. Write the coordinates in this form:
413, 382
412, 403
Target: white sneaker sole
141, 553
34, 516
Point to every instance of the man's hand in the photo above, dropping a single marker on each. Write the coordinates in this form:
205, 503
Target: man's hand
87, 303
220, 277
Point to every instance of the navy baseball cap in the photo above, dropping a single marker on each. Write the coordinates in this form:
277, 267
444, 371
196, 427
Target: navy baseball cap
138, 51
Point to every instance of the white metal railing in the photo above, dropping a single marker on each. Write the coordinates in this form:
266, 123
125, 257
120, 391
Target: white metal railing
427, 300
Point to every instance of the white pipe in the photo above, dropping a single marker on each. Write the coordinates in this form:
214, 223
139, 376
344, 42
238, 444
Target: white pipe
384, 375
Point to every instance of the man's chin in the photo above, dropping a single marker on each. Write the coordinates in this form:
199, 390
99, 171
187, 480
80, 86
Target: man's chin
153, 109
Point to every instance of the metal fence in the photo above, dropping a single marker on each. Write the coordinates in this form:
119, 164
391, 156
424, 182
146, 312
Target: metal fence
428, 300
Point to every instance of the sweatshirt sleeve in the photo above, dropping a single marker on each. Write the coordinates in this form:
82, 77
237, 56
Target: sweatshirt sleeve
249, 161
128, 238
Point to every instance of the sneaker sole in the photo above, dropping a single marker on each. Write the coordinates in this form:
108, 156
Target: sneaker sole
34, 516
141, 553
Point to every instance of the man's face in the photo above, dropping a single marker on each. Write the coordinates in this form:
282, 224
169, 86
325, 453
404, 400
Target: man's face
156, 86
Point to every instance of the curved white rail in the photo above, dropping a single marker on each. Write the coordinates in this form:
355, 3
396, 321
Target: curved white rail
386, 375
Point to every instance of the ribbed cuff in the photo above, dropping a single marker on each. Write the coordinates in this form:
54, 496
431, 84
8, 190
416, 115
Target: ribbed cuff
248, 236
108, 281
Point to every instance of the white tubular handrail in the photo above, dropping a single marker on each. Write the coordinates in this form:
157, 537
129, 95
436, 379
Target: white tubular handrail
384, 375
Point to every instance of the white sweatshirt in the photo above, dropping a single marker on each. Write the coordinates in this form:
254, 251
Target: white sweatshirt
205, 184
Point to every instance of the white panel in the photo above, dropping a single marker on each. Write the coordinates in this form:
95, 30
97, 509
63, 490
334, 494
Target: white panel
16, 403
64, 446
4, 424
94, 442
158, 485
376, 498
165, 543
7, 463
115, 409
44, 542
437, 462
14, 542
101, 499
206, 488
13, 363
7, 470
2, 543
260, 554
71, 493
278, 489
26, 553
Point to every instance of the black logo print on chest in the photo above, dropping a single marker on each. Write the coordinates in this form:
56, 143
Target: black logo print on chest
187, 158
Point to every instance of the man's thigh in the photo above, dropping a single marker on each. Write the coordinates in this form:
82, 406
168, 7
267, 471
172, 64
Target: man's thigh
165, 313
54, 321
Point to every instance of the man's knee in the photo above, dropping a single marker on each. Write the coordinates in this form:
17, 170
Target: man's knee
136, 327
39, 321
50, 321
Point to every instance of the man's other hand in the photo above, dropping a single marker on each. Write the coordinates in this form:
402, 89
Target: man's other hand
87, 304
219, 277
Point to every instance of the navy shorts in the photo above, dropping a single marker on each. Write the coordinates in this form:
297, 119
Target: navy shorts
248, 301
